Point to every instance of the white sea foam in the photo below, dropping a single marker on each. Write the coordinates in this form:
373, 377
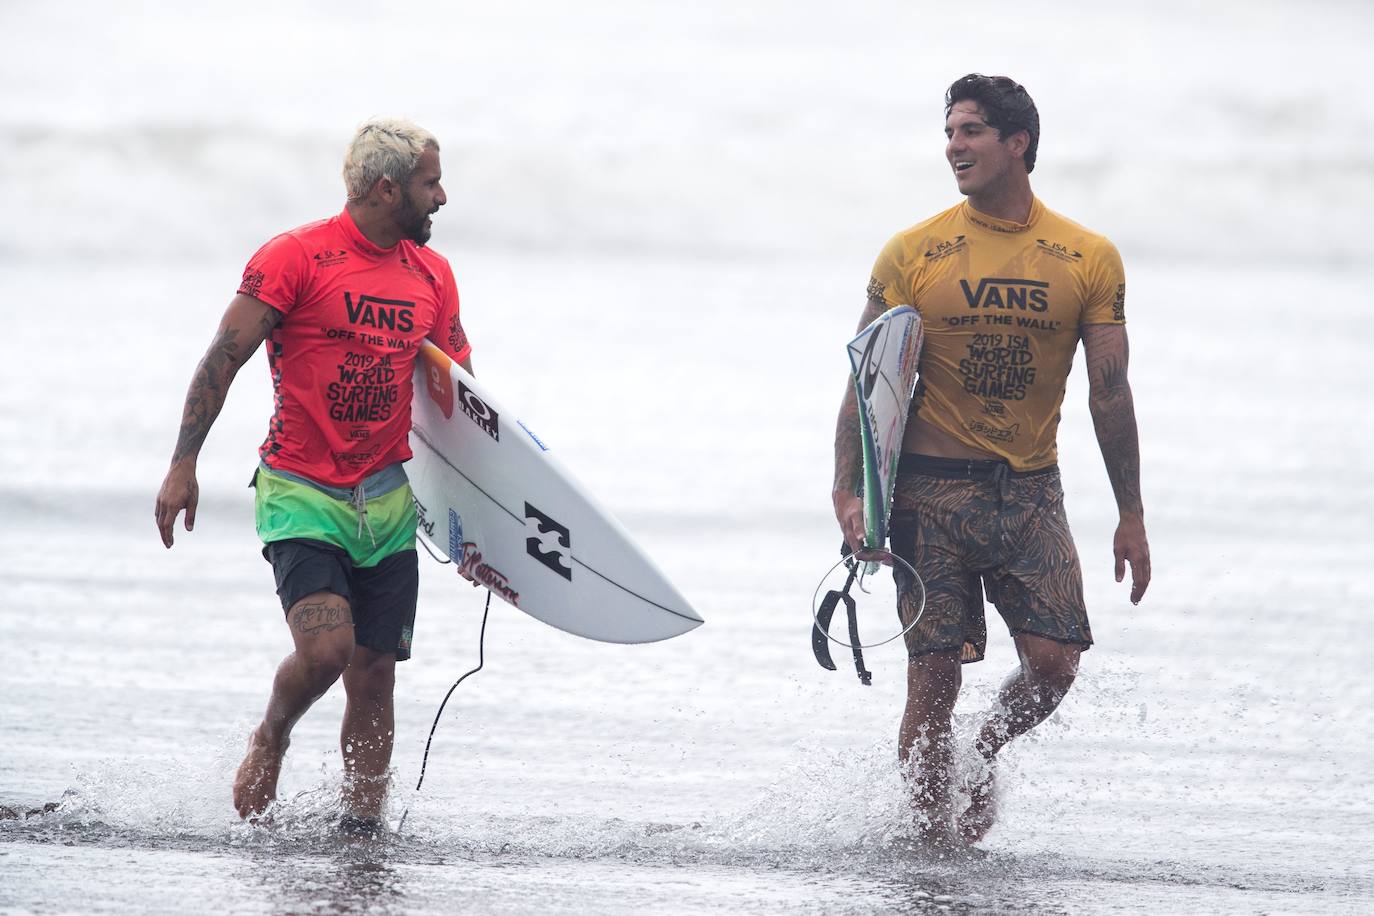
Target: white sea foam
717, 130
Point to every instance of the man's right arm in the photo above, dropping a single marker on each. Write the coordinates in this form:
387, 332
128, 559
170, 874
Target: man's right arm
849, 507
245, 325
1106, 352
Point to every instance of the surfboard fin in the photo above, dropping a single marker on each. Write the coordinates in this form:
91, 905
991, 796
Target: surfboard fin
821, 627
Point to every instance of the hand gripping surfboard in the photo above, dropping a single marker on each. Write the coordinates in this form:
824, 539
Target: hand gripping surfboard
884, 358
493, 499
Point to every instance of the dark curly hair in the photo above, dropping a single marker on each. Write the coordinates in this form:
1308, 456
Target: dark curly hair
1006, 105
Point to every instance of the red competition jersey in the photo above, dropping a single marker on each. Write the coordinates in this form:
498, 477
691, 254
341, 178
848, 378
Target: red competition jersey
342, 357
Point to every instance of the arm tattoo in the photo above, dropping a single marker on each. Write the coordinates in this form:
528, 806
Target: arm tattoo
1113, 376
270, 319
1116, 434
210, 384
1113, 412
848, 455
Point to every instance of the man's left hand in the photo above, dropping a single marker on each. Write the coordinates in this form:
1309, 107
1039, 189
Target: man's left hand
1130, 546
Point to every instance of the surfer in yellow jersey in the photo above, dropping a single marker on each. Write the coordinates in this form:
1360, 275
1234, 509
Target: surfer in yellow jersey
1006, 288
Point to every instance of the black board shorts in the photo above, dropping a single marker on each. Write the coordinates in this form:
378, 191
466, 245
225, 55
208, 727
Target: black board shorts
969, 527
382, 598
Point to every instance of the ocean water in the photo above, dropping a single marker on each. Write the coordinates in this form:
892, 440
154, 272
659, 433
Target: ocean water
662, 220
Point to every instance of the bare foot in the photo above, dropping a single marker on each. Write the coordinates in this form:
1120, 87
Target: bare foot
363, 796
981, 812
353, 827
255, 783
933, 834
937, 844
931, 844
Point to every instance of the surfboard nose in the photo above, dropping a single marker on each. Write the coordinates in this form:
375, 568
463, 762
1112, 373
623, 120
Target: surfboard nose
495, 501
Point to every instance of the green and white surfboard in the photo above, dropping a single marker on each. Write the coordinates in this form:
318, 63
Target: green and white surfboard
884, 358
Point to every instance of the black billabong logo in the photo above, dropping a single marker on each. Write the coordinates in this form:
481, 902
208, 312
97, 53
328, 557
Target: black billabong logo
478, 411
545, 546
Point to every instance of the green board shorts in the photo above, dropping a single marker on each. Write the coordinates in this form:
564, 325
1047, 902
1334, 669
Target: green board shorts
289, 506
348, 542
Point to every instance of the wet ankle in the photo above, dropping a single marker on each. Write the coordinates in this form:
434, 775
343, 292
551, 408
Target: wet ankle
260, 741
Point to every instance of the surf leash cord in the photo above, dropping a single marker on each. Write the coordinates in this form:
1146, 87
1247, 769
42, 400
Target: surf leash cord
481, 660
821, 625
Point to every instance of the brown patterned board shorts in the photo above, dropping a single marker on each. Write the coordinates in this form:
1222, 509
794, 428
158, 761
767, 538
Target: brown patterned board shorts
985, 530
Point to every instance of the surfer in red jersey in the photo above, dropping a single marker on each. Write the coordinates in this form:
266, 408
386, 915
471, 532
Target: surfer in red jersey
341, 306
1006, 288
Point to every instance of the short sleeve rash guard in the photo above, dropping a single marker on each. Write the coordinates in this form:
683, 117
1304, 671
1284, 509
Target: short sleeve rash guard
1003, 305
342, 356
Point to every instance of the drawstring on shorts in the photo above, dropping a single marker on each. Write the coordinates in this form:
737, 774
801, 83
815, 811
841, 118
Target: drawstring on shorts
357, 499
382, 483
999, 479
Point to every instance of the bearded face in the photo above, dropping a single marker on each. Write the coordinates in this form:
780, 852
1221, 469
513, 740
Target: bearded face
413, 219
421, 197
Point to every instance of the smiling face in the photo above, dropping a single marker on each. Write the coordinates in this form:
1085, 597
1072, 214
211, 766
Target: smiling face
421, 197
984, 164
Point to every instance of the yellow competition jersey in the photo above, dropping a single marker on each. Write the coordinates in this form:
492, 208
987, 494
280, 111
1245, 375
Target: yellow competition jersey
1002, 304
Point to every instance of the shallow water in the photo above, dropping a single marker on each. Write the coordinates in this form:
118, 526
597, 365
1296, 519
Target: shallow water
665, 298
1207, 759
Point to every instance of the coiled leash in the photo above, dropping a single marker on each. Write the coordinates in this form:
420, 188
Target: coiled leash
820, 627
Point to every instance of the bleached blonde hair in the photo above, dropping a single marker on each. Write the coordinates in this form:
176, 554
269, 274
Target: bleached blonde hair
383, 148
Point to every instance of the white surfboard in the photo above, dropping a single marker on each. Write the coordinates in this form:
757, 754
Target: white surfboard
497, 503
884, 358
